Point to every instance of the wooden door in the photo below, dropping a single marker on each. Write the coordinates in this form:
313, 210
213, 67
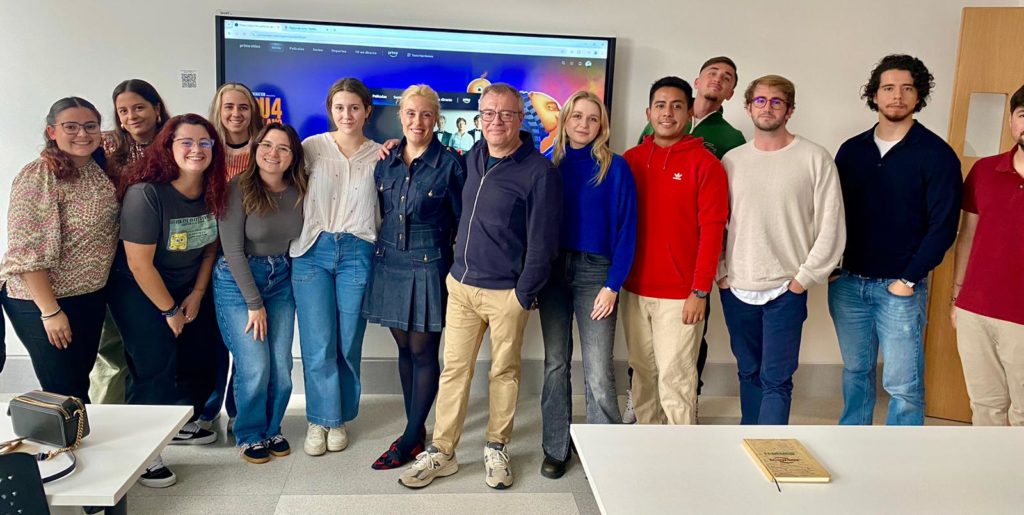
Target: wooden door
989, 61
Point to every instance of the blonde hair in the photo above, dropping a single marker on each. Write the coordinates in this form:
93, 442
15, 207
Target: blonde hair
600, 149
255, 116
421, 90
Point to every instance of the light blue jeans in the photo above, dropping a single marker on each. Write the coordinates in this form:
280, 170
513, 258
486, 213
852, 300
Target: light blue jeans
329, 281
263, 369
868, 318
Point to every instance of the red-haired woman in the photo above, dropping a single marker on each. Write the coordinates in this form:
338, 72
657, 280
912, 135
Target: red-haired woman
62, 231
171, 199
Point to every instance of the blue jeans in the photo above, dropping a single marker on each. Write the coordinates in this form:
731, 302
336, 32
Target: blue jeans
766, 342
329, 282
867, 317
263, 369
576, 279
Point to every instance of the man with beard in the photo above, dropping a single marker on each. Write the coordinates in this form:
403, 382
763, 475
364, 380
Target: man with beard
987, 313
785, 234
901, 189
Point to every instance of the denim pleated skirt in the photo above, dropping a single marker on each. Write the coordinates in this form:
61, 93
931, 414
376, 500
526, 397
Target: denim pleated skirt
407, 290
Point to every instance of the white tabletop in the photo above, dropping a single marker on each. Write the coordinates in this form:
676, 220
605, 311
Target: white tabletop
875, 469
123, 440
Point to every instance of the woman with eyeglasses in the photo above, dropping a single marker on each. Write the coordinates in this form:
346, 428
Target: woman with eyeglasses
140, 113
253, 289
331, 264
235, 114
598, 238
171, 199
61, 234
419, 190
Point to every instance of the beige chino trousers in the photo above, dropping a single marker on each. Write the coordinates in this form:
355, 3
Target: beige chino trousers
663, 354
470, 312
992, 353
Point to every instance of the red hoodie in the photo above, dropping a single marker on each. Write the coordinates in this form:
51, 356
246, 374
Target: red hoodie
682, 206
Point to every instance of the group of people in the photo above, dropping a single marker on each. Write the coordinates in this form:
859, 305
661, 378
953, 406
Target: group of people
171, 241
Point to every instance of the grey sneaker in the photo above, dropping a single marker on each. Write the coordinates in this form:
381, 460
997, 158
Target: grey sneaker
628, 417
429, 464
496, 463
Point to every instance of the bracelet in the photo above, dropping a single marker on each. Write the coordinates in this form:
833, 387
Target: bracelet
170, 312
51, 315
200, 290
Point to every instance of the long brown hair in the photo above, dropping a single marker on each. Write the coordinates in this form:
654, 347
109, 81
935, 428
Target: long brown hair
157, 165
55, 159
256, 198
599, 149
119, 157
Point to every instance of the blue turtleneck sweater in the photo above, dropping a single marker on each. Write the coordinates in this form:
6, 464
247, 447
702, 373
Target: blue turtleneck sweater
599, 219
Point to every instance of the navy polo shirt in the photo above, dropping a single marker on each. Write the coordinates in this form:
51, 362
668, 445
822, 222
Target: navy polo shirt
902, 210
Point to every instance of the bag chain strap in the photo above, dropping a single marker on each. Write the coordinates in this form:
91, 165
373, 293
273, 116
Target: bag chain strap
78, 437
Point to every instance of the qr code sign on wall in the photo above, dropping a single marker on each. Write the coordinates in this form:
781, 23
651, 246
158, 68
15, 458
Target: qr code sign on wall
189, 79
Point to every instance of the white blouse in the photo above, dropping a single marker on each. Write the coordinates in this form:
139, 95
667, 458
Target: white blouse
341, 195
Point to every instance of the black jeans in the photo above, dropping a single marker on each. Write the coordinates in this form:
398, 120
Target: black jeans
63, 371
163, 369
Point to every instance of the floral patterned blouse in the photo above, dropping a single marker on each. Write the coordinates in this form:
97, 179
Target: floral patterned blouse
67, 227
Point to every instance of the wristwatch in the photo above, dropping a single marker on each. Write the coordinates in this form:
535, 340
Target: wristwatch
908, 284
170, 312
701, 294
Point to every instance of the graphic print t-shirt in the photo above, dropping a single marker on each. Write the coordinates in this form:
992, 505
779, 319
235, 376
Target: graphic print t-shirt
179, 227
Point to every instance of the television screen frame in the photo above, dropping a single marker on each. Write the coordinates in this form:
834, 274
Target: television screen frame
220, 37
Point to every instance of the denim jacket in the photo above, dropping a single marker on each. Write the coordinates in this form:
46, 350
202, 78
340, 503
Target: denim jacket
420, 205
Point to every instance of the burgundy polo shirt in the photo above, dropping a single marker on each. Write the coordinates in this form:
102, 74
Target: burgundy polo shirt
994, 283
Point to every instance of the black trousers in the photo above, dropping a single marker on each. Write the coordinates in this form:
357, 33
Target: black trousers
63, 371
164, 370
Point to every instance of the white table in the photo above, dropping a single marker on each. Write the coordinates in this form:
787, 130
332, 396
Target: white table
123, 440
875, 469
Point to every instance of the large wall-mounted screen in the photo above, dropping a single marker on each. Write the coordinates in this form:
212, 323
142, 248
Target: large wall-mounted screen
290, 65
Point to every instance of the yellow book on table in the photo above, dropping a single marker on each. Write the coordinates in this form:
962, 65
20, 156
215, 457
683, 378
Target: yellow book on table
786, 461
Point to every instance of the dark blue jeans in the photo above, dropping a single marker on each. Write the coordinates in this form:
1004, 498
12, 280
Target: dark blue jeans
766, 342
576, 279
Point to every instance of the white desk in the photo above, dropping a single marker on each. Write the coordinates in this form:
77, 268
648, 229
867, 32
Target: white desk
875, 469
122, 442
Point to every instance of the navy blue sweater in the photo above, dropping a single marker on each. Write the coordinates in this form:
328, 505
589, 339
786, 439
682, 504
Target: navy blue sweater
902, 210
599, 218
508, 233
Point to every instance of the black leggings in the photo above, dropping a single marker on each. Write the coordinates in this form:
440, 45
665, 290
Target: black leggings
164, 370
420, 371
63, 371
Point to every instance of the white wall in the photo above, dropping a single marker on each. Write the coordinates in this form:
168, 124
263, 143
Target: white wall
52, 49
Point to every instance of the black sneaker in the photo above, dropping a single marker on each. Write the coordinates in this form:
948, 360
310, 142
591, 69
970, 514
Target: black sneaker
278, 446
254, 453
192, 434
158, 475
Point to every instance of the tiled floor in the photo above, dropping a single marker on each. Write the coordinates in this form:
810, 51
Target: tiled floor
213, 480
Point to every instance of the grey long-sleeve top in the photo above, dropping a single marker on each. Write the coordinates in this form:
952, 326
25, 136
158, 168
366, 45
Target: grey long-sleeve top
269, 234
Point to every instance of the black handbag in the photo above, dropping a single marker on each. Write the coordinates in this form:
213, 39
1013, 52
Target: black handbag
49, 418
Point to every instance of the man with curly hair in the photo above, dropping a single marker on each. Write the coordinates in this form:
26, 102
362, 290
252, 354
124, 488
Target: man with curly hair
901, 188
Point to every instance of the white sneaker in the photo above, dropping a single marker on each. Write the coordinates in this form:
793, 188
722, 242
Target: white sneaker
429, 464
337, 438
316, 440
496, 463
628, 416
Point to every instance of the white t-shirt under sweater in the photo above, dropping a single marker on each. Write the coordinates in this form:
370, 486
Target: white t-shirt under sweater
786, 218
341, 195
884, 146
